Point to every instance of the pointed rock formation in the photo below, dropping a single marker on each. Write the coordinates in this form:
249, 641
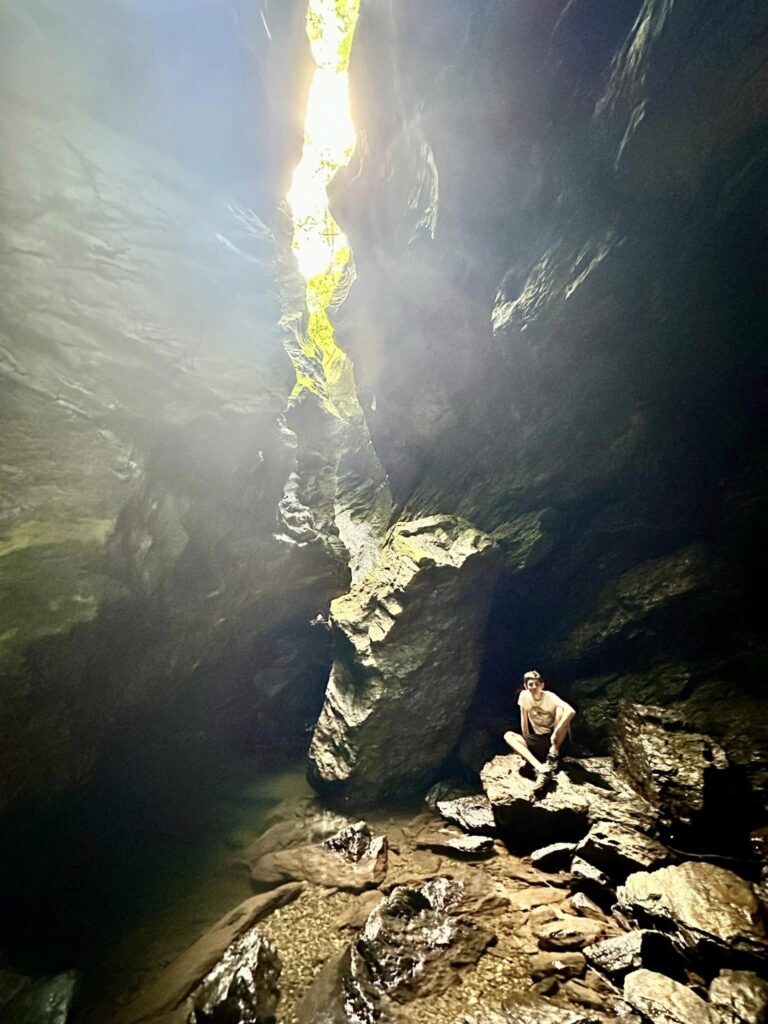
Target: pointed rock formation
407, 656
713, 910
680, 772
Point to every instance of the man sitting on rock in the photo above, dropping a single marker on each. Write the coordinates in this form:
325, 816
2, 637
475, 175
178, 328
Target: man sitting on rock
545, 719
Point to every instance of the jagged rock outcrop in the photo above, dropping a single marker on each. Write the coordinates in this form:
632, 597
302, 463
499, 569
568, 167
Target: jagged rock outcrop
664, 1000
172, 994
582, 792
144, 459
243, 986
407, 657
411, 945
615, 458
352, 859
43, 1001
713, 911
683, 774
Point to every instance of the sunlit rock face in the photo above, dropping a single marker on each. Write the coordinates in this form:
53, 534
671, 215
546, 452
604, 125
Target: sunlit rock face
407, 656
556, 213
556, 320
156, 578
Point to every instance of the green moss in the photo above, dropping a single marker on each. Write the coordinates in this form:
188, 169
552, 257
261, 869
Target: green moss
51, 580
347, 12
321, 367
39, 533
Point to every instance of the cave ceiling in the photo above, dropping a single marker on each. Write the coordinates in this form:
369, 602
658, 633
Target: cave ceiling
553, 323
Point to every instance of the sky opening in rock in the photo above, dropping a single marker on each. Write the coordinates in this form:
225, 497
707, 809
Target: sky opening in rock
321, 248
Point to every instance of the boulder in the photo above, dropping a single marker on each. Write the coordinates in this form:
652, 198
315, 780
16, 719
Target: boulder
553, 857
740, 997
407, 656
711, 909
562, 812
568, 932
472, 813
564, 965
680, 772
663, 1000
166, 999
529, 1008
618, 850
635, 949
583, 906
242, 986
352, 859
459, 845
582, 791
410, 945
45, 1001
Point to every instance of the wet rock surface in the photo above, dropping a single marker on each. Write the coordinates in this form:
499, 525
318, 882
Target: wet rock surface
662, 999
353, 858
681, 772
740, 996
410, 945
441, 935
712, 910
243, 986
168, 996
42, 1001
409, 629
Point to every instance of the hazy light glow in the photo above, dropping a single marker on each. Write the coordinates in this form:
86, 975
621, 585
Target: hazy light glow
329, 137
322, 251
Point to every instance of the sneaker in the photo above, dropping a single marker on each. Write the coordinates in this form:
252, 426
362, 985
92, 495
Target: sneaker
541, 785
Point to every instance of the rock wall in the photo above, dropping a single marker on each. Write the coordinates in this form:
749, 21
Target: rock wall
556, 219
156, 582
407, 657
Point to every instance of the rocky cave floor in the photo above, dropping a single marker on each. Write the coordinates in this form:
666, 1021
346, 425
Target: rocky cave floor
589, 902
489, 905
511, 898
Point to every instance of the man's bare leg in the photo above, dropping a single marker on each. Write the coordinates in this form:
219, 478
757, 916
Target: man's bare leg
518, 744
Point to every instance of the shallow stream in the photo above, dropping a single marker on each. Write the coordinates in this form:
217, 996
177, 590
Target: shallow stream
117, 886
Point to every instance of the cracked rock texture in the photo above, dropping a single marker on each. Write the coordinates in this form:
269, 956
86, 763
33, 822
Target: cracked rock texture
557, 215
407, 631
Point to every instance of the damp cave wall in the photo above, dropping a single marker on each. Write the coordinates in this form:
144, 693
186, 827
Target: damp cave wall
557, 216
154, 605
558, 219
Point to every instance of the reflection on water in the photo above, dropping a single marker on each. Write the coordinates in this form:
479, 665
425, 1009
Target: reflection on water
116, 886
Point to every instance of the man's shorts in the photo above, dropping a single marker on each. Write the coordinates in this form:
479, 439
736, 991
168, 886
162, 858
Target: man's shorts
539, 744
